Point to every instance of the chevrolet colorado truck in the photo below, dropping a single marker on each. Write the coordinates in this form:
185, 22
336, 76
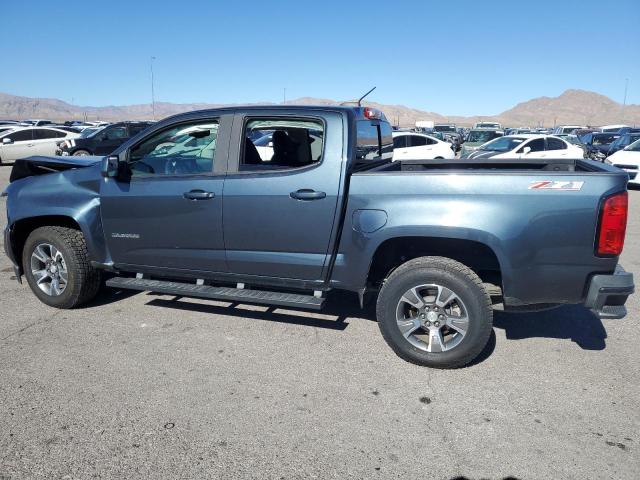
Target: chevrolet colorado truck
190, 207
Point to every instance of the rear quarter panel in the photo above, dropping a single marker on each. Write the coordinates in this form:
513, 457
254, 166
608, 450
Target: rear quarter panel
543, 239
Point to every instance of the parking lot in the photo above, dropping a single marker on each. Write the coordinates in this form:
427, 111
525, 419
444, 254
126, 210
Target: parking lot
152, 386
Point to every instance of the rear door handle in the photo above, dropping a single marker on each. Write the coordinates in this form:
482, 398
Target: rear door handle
307, 194
198, 195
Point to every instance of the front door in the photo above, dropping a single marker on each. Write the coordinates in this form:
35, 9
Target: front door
168, 213
22, 145
279, 212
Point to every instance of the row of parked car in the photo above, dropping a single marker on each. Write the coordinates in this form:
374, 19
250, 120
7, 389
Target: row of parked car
43, 137
490, 140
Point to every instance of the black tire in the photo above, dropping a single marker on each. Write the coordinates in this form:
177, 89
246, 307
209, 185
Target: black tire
81, 153
83, 280
454, 276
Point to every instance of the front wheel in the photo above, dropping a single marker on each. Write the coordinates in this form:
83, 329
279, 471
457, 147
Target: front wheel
56, 265
81, 153
434, 311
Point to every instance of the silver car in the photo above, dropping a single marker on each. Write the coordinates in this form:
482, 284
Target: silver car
28, 141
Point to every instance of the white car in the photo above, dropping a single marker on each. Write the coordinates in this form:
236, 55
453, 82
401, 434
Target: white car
25, 142
530, 146
628, 159
418, 146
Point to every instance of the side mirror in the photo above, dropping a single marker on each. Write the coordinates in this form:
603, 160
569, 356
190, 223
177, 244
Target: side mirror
526, 150
7, 141
112, 166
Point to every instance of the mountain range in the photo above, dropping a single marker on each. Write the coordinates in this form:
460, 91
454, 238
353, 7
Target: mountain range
571, 107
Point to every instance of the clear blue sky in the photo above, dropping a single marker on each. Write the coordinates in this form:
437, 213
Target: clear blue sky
451, 57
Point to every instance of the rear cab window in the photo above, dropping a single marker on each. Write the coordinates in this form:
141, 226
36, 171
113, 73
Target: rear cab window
374, 141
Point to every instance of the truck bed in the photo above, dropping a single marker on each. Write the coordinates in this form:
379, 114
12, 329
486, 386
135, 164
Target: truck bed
496, 166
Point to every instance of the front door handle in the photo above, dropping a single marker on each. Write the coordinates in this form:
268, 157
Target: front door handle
307, 194
198, 195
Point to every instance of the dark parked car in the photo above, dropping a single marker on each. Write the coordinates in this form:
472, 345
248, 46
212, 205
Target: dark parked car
103, 141
624, 141
597, 144
189, 208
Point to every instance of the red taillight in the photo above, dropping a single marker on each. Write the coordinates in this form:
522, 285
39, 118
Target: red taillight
613, 224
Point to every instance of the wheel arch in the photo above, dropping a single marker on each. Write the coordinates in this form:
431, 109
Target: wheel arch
22, 228
393, 252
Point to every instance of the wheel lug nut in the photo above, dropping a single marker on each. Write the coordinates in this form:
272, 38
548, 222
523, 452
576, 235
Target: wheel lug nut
441, 317
437, 324
428, 324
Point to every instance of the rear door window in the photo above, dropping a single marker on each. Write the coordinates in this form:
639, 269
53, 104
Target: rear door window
281, 143
417, 141
47, 133
400, 142
555, 144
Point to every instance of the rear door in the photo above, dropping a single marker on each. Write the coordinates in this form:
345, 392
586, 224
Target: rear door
556, 148
279, 213
45, 140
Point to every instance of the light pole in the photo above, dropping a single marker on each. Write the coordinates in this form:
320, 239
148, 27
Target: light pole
153, 98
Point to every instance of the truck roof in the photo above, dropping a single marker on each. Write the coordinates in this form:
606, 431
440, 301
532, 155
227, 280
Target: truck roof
358, 112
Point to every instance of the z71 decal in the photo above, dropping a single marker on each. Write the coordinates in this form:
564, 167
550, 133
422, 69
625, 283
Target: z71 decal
551, 185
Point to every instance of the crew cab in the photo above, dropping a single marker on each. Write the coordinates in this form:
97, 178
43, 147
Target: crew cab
190, 208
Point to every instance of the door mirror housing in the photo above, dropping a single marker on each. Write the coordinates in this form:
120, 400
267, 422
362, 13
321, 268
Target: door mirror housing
113, 166
7, 141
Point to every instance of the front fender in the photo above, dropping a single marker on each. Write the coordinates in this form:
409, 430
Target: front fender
45, 199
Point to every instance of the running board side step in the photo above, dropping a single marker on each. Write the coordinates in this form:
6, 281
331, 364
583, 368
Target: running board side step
239, 295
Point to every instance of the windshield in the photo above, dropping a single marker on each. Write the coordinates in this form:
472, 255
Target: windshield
482, 136
503, 144
634, 147
444, 128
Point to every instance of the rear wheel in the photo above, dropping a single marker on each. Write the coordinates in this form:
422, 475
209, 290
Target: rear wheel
56, 265
434, 311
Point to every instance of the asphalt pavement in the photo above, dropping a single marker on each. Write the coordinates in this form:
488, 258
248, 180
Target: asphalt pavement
149, 386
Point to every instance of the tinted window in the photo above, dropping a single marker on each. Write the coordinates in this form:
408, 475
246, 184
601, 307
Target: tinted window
115, 133
294, 144
417, 141
46, 133
187, 149
400, 142
555, 144
21, 135
536, 145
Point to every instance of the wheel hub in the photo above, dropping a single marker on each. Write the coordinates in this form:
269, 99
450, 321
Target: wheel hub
432, 317
49, 269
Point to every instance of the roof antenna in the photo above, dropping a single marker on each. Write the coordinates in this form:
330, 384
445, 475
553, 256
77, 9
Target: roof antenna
363, 96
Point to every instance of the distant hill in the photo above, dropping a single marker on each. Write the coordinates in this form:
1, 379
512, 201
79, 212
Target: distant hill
572, 107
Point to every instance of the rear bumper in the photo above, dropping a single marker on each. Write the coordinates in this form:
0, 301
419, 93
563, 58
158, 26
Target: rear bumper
607, 294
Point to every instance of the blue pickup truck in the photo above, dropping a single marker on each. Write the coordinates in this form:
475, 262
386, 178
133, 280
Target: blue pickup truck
198, 206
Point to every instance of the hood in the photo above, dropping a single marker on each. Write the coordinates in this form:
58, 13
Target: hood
28, 167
